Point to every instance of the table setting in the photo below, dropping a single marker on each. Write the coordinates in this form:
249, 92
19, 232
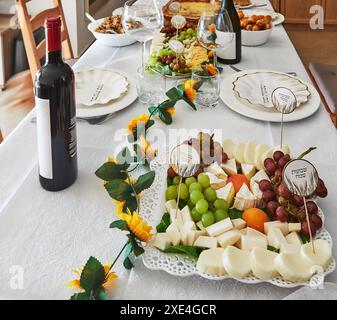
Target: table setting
197, 179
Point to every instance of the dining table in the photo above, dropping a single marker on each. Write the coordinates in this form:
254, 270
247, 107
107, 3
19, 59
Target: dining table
45, 235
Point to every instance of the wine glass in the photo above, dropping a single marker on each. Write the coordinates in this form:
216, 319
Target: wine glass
140, 20
215, 32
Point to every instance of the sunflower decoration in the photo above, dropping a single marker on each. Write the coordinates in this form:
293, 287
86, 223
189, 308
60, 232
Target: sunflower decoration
138, 126
145, 147
138, 232
94, 280
190, 89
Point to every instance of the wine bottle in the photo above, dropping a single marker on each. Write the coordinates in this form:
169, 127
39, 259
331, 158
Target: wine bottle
232, 53
56, 115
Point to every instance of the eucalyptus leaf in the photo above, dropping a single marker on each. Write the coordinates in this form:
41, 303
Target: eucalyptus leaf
127, 263
81, 296
118, 189
191, 251
165, 116
100, 293
144, 181
153, 110
119, 224
110, 171
164, 223
131, 203
92, 275
136, 248
234, 213
174, 94
189, 102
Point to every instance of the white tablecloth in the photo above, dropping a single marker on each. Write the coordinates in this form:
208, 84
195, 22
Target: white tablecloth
47, 234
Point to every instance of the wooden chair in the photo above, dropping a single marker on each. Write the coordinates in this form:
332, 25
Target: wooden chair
28, 25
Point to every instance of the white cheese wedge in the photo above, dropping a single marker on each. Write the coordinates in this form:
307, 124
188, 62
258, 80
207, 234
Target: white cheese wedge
262, 262
227, 193
170, 205
260, 175
265, 155
189, 237
186, 214
161, 241
285, 149
173, 214
255, 233
283, 226
244, 231
229, 238
294, 227
239, 223
322, 255
215, 182
236, 262
228, 147
248, 243
289, 248
248, 170
259, 151
206, 242
255, 189
200, 226
239, 152
179, 220
210, 262
249, 152
244, 199
292, 267
215, 169
188, 226
230, 167
220, 227
294, 238
276, 238
173, 233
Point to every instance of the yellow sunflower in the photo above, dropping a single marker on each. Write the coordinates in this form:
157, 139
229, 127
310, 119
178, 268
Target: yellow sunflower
211, 69
142, 119
171, 111
146, 148
137, 226
190, 93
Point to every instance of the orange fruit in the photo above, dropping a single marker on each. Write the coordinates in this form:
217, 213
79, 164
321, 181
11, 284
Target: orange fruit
238, 180
255, 218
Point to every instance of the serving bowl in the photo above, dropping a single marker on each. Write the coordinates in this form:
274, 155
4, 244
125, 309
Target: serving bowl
255, 38
110, 39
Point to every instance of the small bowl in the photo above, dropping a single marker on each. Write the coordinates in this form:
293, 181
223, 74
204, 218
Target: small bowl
255, 38
108, 39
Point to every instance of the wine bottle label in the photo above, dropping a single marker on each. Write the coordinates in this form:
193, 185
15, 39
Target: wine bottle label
44, 138
229, 51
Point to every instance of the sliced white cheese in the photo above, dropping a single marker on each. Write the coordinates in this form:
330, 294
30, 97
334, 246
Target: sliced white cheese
186, 214
244, 199
227, 193
294, 238
239, 152
248, 243
262, 262
206, 242
210, 262
220, 227
228, 147
322, 255
276, 238
260, 175
244, 231
249, 152
236, 262
289, 248
239, 223
170, 205
292, 267
248, 170
215, 182
173, 233
173, 214
259, 151
229, 238
230, 167
255, 233
283, 226
189, 238
161, 241
294, 227
200, 226
215, 169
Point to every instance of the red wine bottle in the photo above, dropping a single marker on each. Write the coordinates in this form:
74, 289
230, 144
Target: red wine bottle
56, 115
231, 54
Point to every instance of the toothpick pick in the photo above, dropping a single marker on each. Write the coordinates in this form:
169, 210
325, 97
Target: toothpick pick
309, 226
282, 130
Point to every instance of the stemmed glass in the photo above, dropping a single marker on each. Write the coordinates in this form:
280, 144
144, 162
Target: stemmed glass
215, 32
140, 20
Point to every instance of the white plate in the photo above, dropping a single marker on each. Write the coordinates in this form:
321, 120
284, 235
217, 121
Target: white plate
228, 96
152, 209
251, 5
113, 106
99, 86
277, 18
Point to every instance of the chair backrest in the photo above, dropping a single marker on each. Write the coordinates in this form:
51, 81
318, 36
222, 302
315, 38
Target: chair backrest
35, 52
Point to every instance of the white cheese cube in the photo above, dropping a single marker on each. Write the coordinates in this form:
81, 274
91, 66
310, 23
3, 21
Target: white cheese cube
173, 234
206, 242
283, 226
227, 193
220, 227
229, 238
200, 226
248, 243
289, 248
236, 262
210, 262
186, 214
243, 231
239, 223
260, 175
230, 167
255, 233
170, 205
190, 237
294, 238
161, 241
296, 227
262, 262
248, 170
276, 238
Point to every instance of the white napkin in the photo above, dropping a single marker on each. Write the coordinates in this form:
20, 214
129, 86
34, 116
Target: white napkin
328, 292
